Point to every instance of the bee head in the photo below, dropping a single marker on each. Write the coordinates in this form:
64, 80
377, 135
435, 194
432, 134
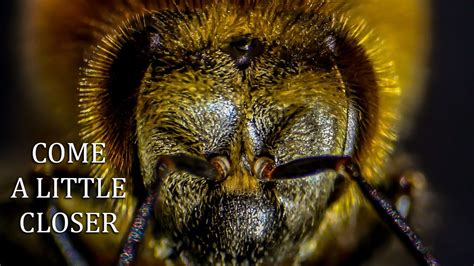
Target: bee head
231, 90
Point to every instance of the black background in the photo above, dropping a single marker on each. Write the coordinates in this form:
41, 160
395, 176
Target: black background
442, 139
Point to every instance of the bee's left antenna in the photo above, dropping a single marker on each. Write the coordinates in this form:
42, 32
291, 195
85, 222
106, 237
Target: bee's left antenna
389, 214
345, 167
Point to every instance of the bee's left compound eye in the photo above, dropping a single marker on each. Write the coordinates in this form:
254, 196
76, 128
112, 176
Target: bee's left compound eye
263, 168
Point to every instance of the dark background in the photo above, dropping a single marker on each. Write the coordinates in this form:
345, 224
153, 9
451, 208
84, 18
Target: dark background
442, 139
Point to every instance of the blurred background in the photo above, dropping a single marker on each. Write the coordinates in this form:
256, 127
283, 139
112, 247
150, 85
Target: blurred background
442, 140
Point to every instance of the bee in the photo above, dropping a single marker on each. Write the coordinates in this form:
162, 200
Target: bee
251, 132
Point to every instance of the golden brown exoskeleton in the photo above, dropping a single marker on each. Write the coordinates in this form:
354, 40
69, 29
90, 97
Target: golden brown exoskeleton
236, 81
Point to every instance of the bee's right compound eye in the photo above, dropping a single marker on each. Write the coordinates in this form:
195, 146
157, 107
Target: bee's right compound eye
263, 168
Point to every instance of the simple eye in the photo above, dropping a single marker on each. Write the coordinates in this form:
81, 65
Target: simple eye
243, 50
263, 167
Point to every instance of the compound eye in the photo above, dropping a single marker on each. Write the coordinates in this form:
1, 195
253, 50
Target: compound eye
263, 168
222, 165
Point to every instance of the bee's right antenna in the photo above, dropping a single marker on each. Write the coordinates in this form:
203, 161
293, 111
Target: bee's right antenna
345, 167
165, 165
137, 231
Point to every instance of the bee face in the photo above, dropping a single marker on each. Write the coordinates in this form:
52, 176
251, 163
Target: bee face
243, 94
